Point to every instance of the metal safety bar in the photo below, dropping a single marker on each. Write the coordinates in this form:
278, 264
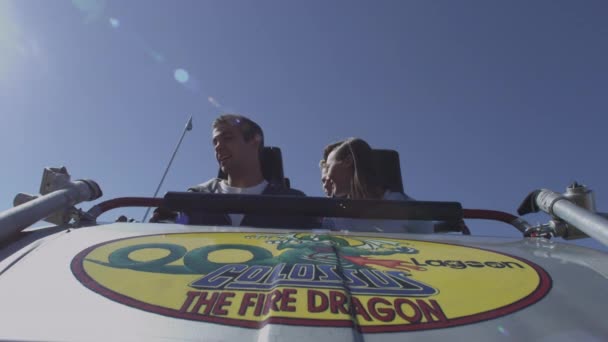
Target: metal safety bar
312, 206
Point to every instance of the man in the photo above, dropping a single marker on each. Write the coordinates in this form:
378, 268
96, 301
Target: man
238, 143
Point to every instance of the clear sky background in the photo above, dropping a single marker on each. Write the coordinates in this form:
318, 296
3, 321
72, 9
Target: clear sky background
484, 100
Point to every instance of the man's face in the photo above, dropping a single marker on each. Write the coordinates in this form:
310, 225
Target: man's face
232, 151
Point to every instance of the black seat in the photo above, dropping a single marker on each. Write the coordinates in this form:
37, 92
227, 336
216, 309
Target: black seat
388, 168
272, 166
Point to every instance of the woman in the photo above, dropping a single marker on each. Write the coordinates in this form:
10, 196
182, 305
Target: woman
348, 171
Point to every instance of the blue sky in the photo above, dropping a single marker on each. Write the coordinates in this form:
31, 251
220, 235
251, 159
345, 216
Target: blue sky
484, 100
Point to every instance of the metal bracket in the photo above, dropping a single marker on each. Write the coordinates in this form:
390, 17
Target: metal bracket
573, 214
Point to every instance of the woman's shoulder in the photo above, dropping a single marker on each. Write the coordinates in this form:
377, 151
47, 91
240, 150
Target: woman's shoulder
396, 196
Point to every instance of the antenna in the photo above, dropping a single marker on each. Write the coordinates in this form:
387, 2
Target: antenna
186, 129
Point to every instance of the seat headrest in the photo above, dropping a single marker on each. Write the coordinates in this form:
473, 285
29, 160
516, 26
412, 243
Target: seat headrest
388, 168
272, 166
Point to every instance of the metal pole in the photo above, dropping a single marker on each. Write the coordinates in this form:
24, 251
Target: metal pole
591, 224
186, 129
22, 216
586, 221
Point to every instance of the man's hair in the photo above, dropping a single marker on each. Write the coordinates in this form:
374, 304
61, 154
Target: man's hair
246, 126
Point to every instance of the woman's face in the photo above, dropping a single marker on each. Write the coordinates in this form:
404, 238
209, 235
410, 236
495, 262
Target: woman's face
325, 182
339, 174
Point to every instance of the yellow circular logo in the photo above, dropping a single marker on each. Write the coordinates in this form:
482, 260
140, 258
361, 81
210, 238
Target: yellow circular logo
249, 280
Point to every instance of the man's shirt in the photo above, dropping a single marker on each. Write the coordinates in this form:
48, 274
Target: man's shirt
216, 186
253, 190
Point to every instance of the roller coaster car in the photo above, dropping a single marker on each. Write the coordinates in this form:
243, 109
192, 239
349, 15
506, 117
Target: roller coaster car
79, 279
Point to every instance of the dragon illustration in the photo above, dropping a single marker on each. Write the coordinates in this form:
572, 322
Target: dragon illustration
297, 248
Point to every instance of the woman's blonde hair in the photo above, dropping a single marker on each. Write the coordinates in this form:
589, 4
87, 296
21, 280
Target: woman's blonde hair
364, 183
